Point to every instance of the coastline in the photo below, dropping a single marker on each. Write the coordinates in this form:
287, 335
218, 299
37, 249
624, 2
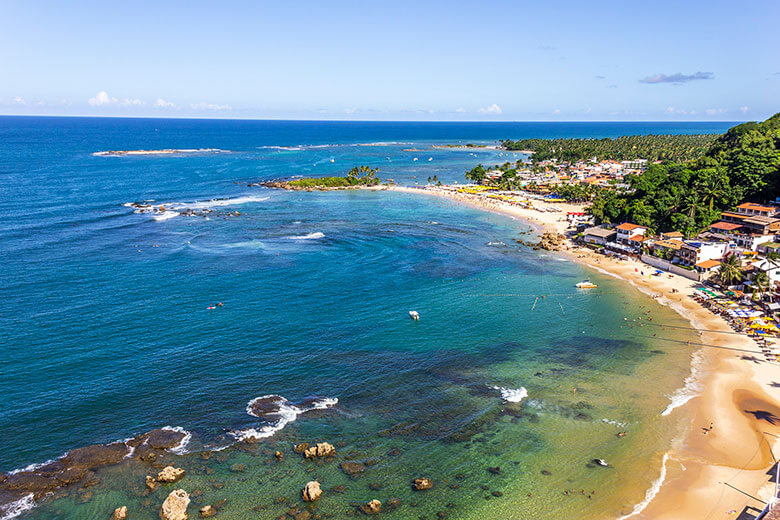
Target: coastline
711, 474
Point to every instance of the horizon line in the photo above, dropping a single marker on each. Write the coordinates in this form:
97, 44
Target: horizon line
206, 118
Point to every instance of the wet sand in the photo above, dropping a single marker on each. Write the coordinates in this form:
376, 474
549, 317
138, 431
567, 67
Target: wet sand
713, 473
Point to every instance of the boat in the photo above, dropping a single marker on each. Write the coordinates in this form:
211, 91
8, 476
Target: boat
601, 462
414, 315
586, 284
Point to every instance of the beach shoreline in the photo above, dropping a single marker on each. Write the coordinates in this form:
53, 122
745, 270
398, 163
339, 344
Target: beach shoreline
721, 462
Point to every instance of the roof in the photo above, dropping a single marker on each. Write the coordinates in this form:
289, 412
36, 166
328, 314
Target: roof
636, 238
672, 234
726, 226
708, 264
757, 207
599, 232
670, 244
734, 215
761, 220
771, 245
627, 226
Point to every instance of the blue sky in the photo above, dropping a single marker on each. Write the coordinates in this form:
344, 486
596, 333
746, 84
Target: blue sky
520, 60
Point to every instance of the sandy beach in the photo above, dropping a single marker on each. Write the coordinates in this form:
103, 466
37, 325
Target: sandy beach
718, 469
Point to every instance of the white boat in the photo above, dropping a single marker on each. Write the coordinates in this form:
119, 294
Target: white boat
414, 315
601, 462
430, 159
586, 284
415, 159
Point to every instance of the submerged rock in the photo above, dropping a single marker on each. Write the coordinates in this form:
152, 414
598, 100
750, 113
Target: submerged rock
371, 508
120, 513
175, 506
421, 484
353, 469
207, 511
170, 474
311, 491
151, 482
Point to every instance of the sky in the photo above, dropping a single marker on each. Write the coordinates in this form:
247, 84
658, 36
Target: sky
516, 60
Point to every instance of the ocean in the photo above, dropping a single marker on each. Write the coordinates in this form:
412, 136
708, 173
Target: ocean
118, 321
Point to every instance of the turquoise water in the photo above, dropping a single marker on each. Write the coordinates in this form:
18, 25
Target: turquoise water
108, 331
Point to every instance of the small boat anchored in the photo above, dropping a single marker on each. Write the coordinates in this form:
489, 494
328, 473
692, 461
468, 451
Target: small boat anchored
586, 284
414, 315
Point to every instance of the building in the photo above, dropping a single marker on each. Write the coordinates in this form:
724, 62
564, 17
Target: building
725, 228
758, 210
693, 252
668, 249
630, 234
598, 236
707, 268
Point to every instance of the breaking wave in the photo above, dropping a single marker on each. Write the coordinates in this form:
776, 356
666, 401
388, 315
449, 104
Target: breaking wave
651, 493
512, 395
167, 210
278, 412
692, 387
311, 236
17, 507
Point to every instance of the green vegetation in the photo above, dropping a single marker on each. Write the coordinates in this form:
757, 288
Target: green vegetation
742, 164
357, 176
650, 147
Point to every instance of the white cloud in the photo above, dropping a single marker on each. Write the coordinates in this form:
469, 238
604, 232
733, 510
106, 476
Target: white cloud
556, 111
460, 110
715, 111
19, 101
493, 109
161, 103
350, 110
129, 102
101, 98
744, 110
679, 111
209, 106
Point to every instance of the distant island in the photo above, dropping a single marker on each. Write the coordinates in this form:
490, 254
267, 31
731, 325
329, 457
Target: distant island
357, 177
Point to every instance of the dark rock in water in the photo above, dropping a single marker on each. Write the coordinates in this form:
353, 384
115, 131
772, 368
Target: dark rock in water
495, 470
582, 417
546, 473
497, 494
238, 468
279, 455
374, 486
483, 487
441, 514
159, 439
538, 374
393, 503
460, 476
338, 489
302, 447
353, 469
394, 452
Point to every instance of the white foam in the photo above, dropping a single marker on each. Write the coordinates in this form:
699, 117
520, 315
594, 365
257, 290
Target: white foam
33, 467
17, 507
286, 414
311, 236
651, 493
167, 210
512, 395
692, 387
167, 151
614, 423
179, 449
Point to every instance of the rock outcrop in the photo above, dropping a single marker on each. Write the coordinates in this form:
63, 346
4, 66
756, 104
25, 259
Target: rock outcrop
321, 449
207, 511
371, 508
120, 513
552, 241
422, 483
311, 491
175, 506
170, 474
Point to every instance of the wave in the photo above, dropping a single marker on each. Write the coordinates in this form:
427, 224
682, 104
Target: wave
278, 412
651, 493
17, 507
179, 449
692, 387
167, 210
512, 395
165, 151
311, 236
614, 423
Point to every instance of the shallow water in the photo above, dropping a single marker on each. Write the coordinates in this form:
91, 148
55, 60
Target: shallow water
109, 332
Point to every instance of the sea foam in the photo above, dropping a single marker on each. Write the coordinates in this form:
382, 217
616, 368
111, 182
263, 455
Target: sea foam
651, 493
278, 412
311, 236
512, 395
17, 507
690, 389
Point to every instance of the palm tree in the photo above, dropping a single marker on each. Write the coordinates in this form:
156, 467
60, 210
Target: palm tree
773, 257
761, 285
730, 270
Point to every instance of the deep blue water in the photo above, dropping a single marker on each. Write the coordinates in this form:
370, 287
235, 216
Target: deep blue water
105, 325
